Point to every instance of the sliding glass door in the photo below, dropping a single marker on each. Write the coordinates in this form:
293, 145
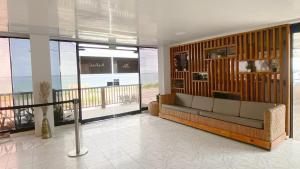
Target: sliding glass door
149, 75
109, 77
109, 80
64, 79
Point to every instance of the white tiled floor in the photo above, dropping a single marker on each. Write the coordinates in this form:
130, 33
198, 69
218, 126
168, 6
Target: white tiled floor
143, 142
94, 112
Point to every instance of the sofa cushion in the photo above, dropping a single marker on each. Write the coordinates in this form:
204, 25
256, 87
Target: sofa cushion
180, 108
183, 100
254, 110
226, 106
233, 119
203, 103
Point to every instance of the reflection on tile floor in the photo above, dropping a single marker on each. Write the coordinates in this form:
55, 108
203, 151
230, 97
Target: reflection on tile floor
94, 112
143, 142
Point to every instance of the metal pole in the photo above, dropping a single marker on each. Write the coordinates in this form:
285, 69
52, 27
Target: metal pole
79, 151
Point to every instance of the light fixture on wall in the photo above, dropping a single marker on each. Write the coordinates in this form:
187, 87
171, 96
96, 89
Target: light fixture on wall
85, 45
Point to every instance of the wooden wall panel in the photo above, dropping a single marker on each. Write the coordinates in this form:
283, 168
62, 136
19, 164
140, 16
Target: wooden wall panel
224, 74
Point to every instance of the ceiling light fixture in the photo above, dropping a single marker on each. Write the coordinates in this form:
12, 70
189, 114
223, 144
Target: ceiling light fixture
84, 45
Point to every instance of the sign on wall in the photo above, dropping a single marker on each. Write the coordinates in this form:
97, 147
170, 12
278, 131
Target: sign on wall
95, 65
126, 65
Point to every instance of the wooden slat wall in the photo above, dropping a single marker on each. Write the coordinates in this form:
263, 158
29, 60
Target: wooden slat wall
223, 73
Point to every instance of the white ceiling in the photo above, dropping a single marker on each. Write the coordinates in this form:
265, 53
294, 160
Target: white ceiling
145, 22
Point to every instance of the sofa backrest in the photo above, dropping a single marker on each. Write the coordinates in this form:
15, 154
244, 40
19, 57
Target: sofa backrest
203, 103
254, 110
183, 100
227, 107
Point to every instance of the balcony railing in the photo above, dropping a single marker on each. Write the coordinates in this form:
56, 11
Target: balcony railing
99, 96
90, 97
16, 118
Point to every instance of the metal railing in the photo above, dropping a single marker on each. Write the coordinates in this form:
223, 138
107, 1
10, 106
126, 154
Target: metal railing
90, 97
13, 118
99, 96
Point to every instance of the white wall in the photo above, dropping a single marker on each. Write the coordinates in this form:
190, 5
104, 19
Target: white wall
164, 69
41, 71
40, 57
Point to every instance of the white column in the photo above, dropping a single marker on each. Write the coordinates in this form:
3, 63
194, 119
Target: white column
40, 56
164, 69
41, 71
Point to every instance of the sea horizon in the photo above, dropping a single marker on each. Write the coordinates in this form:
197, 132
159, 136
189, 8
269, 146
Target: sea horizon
24, 83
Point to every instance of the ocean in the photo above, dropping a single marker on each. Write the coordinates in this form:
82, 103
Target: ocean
24, 83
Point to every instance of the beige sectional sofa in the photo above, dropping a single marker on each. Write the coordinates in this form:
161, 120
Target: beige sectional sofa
261, 124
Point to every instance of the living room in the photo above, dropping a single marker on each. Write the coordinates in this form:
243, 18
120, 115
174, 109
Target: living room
149, 84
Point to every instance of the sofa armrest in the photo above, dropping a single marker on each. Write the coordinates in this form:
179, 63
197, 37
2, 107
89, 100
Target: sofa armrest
274, 121
166, 99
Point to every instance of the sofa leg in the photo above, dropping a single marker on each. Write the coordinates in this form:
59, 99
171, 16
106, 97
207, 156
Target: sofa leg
280, 139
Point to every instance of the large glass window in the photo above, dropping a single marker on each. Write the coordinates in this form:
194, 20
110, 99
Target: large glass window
63, 65
55, 65
21, 65
109, 80
68, 62
5, 71
64, 78
6, 117
149, 74
16, 83
22, 81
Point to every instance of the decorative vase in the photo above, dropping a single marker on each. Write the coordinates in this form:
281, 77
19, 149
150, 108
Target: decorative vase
46, 131
44, 94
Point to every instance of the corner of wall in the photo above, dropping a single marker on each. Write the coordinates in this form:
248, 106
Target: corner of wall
164, 69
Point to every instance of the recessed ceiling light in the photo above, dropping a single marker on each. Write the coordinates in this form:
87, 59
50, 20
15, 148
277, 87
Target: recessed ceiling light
180, 33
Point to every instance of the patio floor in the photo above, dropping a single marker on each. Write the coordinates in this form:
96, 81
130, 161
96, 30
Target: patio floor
94, 112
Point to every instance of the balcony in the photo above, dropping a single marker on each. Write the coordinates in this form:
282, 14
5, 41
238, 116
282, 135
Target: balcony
95, 102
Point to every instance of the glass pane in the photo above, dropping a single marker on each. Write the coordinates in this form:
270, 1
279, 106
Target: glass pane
64, 78
109, 80
22, 81
55, 65
5, 71
68, 64
21, 65
149, 74
6, 117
